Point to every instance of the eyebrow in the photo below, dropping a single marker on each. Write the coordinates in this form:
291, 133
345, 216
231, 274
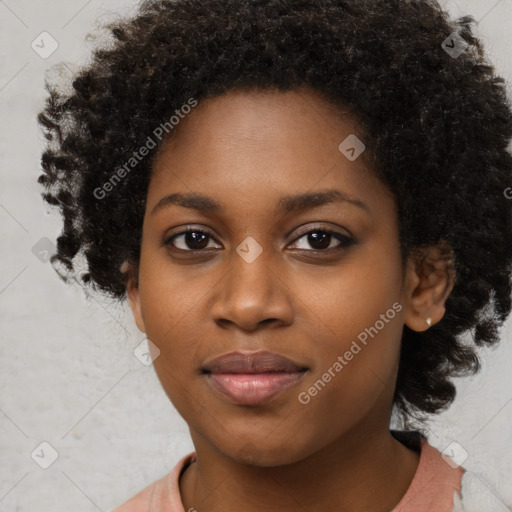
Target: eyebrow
295, 203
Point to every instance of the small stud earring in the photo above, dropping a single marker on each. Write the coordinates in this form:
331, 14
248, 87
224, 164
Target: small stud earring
429, 321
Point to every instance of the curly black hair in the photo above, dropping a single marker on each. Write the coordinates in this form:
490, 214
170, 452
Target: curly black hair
436, 123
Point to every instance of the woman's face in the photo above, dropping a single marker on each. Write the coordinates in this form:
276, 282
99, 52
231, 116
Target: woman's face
267, 276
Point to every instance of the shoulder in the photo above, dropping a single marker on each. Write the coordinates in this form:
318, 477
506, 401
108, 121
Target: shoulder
436, 481
163, 495
141, 502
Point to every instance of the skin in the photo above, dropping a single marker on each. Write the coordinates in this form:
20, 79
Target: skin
247, 149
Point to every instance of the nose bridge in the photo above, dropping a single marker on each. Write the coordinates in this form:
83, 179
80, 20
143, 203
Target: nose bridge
252, 274
253, 291
252, 266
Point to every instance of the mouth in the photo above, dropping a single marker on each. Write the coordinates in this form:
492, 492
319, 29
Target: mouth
252, 378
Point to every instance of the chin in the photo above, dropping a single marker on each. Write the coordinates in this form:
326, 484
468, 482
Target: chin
266, 454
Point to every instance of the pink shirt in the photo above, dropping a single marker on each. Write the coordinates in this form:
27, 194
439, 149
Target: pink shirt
431, 490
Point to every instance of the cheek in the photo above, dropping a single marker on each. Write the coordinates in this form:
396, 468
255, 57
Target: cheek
352, 297
361, 323
166, 306
354, 377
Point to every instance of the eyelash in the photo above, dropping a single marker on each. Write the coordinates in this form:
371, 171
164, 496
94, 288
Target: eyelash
345, 241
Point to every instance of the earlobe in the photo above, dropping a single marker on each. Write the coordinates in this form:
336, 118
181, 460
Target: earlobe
429, 282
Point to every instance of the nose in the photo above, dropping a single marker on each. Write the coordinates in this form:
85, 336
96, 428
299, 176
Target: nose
253, 294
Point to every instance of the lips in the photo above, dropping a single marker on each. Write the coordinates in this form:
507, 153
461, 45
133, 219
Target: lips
251, 378
252, 362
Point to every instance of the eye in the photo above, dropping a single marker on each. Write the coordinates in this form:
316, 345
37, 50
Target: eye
194, 238
322, 239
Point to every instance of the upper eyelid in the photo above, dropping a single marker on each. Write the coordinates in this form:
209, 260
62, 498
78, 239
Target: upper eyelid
319, 227
302, 232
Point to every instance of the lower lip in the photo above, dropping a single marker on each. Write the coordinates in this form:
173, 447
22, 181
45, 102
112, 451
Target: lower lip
253, 388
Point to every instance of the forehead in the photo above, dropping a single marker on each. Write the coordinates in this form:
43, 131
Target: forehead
256, 118
245, 145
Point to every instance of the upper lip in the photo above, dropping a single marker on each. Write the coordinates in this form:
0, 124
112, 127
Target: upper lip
251, 362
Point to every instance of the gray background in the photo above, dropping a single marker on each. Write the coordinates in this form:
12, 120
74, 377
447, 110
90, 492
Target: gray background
68, 375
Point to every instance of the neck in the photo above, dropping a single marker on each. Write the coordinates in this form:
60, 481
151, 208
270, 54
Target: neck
357, 472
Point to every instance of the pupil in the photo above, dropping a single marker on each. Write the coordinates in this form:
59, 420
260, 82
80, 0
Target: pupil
314, 237
194, 239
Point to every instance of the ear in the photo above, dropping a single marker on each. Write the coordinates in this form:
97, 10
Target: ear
132, 291
430, 278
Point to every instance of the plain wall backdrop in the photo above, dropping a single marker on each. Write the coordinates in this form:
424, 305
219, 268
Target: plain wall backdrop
68, 373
